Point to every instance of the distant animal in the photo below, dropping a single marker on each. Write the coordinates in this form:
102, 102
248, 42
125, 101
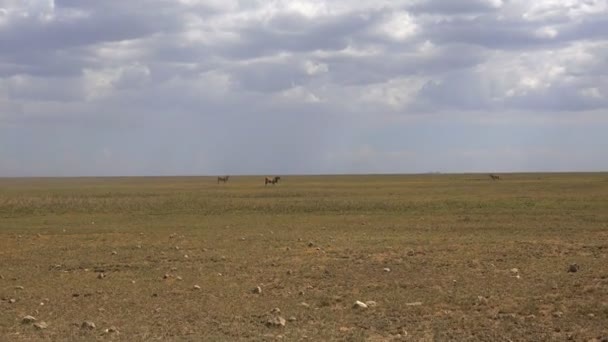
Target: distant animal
494, 177
271, 180
222, 179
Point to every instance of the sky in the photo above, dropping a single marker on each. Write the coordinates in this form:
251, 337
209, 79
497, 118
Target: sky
205, 87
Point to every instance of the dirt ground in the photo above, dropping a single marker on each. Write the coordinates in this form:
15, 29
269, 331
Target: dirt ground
440, 257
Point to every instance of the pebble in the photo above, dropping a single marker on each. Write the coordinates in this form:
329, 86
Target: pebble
359, 305
197, 287
257, 290
41, 325
573, 268
276, 322
88, 325
28, 319
386, 269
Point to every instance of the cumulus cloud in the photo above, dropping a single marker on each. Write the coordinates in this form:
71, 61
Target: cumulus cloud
208, 84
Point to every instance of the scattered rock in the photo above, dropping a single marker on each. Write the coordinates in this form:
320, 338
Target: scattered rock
514, 271
179, 278
166, 276
28, 319
101, 275
257, 290
276, 322
88, 325
386, 269
114, 252
304, 304
19, 287
186, 256
292, 319
197, 287
275, 311
573, 268
310, 244
371, 303
12, 301
41, 325
558, 314
359, 305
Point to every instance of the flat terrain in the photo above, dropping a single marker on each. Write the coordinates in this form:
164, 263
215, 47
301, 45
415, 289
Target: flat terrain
470, 259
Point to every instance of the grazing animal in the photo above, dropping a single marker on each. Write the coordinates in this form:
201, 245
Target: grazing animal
494, 177
273, 180
222, 179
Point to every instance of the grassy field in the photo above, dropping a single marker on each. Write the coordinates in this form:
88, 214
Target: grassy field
128, 252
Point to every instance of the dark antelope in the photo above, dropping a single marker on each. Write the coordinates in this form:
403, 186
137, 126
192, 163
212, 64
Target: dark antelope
494, 177
273, 180
222, 179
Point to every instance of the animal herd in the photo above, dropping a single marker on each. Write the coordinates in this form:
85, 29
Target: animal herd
267, 180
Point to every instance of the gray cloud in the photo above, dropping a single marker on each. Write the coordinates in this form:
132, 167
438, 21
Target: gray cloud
212, 86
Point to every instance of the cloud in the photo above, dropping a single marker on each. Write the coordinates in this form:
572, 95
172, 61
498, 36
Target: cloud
252, 86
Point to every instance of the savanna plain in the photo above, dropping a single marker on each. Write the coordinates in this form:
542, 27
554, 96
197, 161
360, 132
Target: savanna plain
428, 257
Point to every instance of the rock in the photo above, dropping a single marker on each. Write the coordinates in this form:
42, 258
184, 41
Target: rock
166, 276
482, 300
12, 301
289, 272
28, 319
304, 304
558, 314
292, 319
101, 275
275, 311
19, 287
111, 330
276, 322
514, 271
257, 290
411, 252
359, 305
88, 325
41, 325
197, 287
573, 268
371, 303
179, 278
186, 256
310, 244
386, 269
114, 252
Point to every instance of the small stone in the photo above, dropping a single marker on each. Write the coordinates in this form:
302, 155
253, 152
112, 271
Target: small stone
41, 325
28, 319
386, 269
257, 290
573, 268
289, 272
19, 287
558, 314
276, 322
410, 252
138, 246
88, 325
114, 252
111, 330
166, 276
101, 275
310, 244
179, 278
292, 319
359, 305
12, 301
132, 281
275, 311
177, 248
514, 271
186, 256
304, 304
371, 303
482, 300
591, 315
197, 287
